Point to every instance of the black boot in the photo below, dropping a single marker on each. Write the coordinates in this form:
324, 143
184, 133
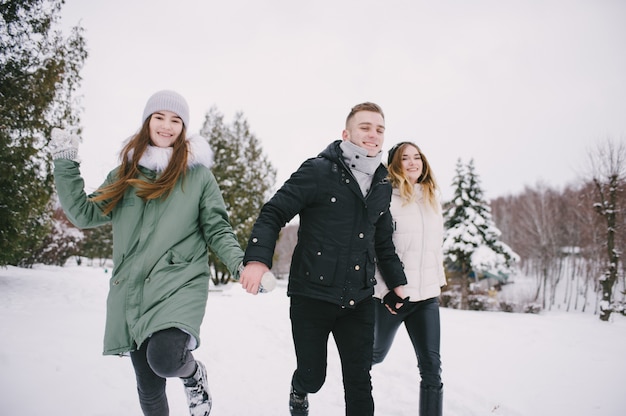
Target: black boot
431, 401
298, 403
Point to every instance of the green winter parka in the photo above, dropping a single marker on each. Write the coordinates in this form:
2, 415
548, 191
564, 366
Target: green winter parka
161, 272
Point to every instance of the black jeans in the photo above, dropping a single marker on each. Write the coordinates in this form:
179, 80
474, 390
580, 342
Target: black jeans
422, 323
311, 323
164, 354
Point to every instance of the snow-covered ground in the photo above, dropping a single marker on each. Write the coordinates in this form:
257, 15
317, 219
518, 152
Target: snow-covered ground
52, 319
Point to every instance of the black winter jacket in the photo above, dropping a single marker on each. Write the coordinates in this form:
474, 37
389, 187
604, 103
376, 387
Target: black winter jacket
342, 234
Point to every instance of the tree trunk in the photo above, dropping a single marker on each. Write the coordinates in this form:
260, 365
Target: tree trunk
465, 292
609, 210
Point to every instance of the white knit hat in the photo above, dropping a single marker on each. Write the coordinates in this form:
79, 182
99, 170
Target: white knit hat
169, 101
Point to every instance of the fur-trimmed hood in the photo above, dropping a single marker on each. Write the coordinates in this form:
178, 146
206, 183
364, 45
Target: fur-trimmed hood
157, 158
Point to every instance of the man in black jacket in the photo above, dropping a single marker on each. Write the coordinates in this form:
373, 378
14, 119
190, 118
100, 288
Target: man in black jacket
342, 197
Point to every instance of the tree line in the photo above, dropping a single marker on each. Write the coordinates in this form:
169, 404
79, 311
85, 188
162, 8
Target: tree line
571, 240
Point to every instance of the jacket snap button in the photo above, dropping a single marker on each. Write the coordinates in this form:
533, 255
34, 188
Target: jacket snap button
357, 267
351, 303
333, 199
361, 235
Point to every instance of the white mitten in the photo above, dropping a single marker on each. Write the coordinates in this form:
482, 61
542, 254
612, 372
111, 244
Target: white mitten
63, 144
268, 282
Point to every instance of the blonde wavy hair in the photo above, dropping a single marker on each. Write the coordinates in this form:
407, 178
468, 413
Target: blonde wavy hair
130, 175
400, 181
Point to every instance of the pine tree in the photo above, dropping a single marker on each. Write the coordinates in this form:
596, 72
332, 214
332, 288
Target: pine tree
244, 174
471, 245
39, 76
63, 242
98, 243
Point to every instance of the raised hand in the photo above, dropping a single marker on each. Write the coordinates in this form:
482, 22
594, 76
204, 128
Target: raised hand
63, 144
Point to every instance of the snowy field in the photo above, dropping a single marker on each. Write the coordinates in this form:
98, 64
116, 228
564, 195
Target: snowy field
52, 320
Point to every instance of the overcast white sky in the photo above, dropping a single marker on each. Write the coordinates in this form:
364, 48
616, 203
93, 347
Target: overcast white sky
524, 87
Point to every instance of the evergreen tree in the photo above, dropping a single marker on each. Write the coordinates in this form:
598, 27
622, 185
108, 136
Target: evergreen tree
61, 243
39, 76
471, 245
244, 174
98, 243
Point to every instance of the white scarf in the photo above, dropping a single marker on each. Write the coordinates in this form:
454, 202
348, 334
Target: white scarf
157, 158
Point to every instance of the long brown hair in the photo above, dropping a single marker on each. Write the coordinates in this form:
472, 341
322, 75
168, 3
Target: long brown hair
130, 175
399, 180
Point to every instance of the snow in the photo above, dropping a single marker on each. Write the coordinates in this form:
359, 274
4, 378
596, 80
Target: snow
470, 228
494, 363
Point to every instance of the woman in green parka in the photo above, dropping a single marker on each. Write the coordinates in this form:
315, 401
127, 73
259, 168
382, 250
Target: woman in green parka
166, 210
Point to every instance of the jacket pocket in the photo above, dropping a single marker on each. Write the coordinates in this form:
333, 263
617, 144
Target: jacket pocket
170, 264
169, 275
318, 266
173, 257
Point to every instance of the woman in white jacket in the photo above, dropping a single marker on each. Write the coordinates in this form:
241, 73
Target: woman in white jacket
418, 238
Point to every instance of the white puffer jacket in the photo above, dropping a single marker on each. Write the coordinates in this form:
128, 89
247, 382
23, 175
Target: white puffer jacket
418, 237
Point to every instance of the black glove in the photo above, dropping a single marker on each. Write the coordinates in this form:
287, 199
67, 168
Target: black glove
391, 299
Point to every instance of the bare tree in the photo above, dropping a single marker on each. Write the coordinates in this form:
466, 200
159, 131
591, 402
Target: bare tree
591, 243
608, 172
539, 213
579, 223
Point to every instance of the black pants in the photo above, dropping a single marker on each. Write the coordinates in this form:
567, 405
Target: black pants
311, 323
164, 354
422, 323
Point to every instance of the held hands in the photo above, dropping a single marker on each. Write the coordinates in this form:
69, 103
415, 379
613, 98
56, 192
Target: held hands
63, 144
251, 276
394, 300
